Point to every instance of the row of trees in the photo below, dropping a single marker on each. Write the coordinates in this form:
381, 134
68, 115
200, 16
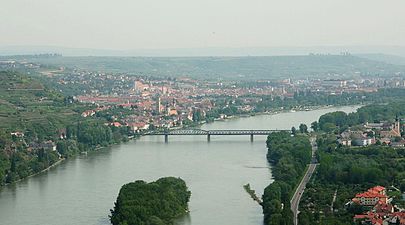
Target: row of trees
289, 156
155, 203
340, 121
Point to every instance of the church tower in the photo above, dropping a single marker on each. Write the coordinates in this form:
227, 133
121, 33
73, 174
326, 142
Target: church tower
397, 126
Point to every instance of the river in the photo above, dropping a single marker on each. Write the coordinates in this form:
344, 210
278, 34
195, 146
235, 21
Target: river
82, 190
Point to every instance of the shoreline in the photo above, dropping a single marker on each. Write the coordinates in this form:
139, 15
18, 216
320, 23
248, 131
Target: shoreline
37, 173
275, 112
245, 115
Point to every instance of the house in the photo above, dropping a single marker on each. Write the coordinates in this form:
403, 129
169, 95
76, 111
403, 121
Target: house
371, 197
398, 144
385, 141
345, 141
88, 113
362, 141
393, 131
136, 127
62, 133
47, 145
116, 124
17, 134
172, 112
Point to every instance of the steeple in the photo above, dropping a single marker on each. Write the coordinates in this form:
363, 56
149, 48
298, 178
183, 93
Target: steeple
397, 125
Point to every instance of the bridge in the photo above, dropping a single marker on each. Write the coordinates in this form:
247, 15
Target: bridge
208, 133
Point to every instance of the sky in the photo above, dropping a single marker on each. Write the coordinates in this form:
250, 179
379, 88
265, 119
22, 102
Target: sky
163, 24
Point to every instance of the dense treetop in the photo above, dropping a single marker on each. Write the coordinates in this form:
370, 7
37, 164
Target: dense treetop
289, 156
155, 203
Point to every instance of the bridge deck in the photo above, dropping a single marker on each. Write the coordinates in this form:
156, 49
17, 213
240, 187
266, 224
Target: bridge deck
214, 132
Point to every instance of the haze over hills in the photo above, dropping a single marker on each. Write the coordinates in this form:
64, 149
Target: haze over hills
244, 68
209, 51
391, 59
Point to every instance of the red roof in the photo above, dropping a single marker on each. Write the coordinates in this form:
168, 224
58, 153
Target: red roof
376, 189
116, 124
370, 195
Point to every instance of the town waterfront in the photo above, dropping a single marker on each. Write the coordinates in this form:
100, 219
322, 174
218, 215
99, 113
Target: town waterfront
82, 190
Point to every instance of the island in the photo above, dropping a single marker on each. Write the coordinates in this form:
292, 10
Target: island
154, 203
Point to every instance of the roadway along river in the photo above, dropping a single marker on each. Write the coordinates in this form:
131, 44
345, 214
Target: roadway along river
81, 190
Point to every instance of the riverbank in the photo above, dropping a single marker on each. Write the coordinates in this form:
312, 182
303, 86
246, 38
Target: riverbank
275, 112
201, 123
252, 194
87, 186
289, 156
37, 173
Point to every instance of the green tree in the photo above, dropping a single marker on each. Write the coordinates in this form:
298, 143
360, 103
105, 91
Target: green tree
315, 126
293, 130
154, 203
303, 128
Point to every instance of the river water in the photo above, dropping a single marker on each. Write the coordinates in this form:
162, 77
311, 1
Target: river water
82, 190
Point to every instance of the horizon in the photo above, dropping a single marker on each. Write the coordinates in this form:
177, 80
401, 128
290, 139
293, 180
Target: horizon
17, 50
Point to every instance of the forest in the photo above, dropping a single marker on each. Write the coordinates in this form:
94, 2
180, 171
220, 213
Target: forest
288, 156
155, 203
340, 121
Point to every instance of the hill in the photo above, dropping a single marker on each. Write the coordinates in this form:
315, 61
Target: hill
27, 103
391, 59
242, 68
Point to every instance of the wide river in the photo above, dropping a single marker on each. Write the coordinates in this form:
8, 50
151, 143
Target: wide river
82, 190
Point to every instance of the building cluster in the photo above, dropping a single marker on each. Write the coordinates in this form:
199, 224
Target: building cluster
383, 133
340, 86
33, 146
171, 102
381, 211
153, 104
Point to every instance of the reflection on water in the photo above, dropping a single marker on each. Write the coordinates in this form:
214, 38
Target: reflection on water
82, 190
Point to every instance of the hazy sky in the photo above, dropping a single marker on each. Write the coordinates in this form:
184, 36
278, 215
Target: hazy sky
135, 24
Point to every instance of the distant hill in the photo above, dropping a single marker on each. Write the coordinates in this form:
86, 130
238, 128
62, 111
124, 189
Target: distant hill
203, 52
392, 59
257, 67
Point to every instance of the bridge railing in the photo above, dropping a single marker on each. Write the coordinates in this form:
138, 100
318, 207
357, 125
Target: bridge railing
213, 132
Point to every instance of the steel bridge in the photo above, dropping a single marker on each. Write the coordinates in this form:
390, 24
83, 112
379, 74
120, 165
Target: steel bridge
208, 133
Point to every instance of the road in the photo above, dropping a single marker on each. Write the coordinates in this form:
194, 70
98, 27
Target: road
295, 201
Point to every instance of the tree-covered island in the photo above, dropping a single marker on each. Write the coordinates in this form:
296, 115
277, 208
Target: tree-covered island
154, 203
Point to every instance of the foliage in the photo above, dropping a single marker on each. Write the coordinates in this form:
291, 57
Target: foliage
339, 121
303, 128
159, 202
289, 156
348, 171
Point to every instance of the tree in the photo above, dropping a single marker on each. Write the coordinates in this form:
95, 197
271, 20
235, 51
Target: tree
315, 126
4, 166
293, 130
303, 128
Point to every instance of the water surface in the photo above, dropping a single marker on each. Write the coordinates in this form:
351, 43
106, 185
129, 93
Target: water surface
82, 190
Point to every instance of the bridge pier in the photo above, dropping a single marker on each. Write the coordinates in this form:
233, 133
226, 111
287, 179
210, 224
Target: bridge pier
208, 137
166, 138
251, 137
